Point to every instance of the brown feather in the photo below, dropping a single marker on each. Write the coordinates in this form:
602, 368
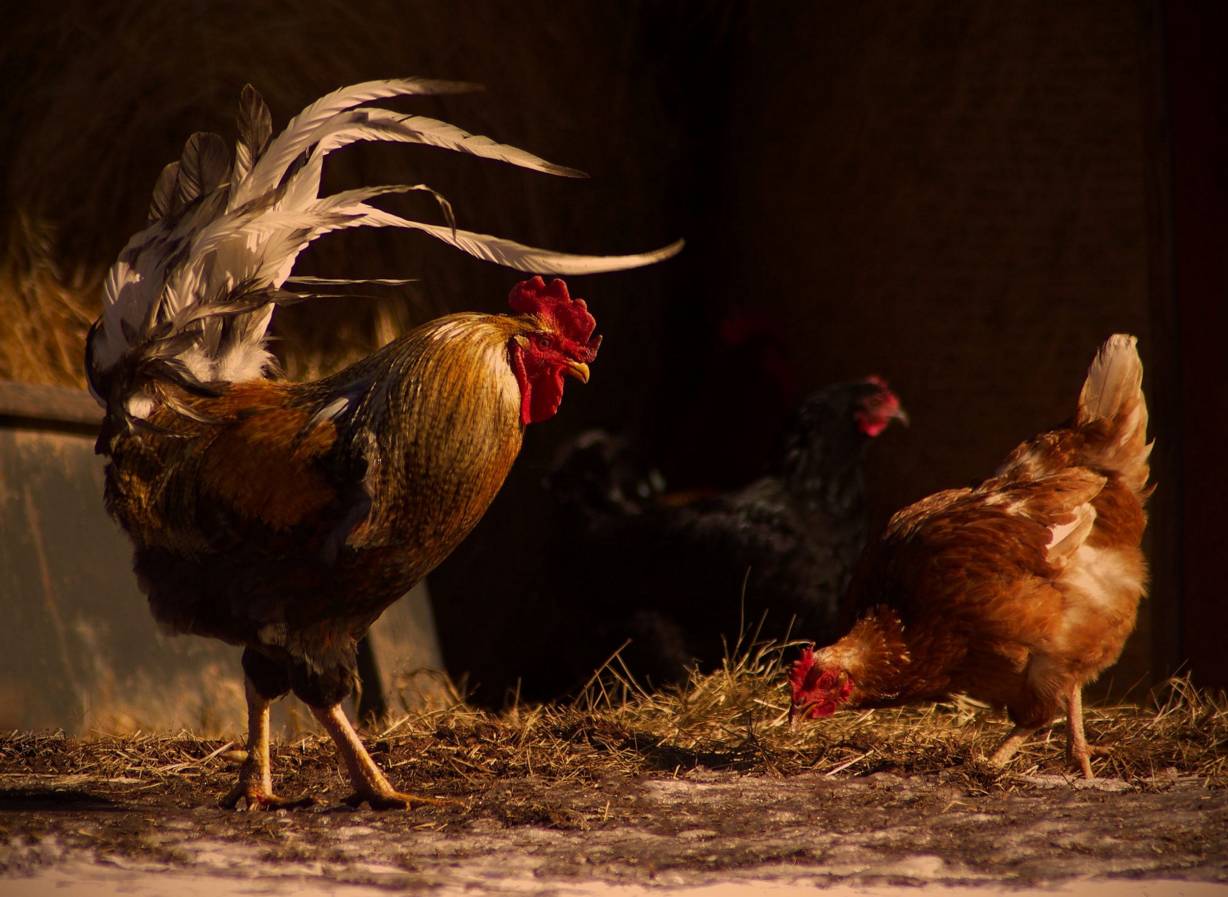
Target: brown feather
1022, 588
263, 465
298, 512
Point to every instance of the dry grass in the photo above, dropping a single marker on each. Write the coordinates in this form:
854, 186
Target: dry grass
46, 312
735, 719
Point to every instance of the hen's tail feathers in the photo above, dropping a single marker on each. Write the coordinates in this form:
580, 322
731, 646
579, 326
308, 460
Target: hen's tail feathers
191, 296
1113, 412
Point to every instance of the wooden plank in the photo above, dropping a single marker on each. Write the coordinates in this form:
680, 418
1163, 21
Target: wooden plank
48, 404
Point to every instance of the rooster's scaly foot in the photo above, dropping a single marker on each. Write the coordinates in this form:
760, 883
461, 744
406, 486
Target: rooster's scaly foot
397, 800
257, 798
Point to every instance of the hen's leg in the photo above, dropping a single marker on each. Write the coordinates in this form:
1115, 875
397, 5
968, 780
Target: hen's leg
255, 785
1011, 744
1077, 750
370, 785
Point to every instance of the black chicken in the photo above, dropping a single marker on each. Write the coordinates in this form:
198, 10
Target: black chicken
679, 579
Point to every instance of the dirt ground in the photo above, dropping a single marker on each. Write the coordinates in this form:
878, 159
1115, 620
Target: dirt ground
703, 791
698, 830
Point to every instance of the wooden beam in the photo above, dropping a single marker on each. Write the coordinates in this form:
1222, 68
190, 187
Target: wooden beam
47, 406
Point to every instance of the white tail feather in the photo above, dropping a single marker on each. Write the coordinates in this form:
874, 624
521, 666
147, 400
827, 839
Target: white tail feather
1112, 395
195, 288
313, 123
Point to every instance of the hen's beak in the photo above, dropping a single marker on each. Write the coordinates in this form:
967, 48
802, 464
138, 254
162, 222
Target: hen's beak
577, 369
901, 415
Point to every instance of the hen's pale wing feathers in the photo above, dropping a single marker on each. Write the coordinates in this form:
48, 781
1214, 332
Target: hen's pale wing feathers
1061, 503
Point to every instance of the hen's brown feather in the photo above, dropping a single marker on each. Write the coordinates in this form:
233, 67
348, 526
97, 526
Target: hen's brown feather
1023, 588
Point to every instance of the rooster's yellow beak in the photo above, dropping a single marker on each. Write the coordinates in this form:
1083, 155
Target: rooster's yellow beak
577, 369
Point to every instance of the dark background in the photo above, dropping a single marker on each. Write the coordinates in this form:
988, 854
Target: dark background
963, 197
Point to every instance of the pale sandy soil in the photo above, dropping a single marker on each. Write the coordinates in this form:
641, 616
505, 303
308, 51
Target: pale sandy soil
702, 834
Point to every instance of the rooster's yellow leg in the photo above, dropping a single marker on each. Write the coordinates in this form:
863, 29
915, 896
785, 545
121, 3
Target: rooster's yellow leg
1077, 751
255, 785
370, 785
1011, 744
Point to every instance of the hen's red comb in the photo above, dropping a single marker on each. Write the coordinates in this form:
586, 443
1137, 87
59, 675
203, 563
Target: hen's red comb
802, 671
551, 302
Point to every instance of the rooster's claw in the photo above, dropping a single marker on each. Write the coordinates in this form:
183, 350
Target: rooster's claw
395, 800
259, 799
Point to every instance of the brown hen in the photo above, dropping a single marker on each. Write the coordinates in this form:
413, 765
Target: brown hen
1017, 592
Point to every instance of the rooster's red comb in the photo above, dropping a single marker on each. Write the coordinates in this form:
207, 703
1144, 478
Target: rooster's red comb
551, 302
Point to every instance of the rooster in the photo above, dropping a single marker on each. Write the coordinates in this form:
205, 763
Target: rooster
285, 517
1017, 592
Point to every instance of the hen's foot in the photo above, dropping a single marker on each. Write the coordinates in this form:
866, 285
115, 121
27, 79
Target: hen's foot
1084, 767
397, 800
1093, 750
257, 798
1078, 752
1010, 745
1080, 761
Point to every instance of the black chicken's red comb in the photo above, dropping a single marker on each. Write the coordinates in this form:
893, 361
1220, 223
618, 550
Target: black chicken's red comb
552, 302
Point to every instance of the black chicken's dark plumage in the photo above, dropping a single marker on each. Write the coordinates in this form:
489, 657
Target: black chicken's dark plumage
679, 579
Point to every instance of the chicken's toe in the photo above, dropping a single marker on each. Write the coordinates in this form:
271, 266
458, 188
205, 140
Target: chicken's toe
396, 800
1010, 745
256, 798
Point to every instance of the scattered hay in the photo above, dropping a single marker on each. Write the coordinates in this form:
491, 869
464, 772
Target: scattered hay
735, 719
46, 312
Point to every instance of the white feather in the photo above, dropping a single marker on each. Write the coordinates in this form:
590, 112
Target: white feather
223, 249
140, 405
304, 129
329, 411
385, 125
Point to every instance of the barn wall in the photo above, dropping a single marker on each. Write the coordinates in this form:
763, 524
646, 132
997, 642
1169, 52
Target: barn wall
962, 197
965, 197
1197, 105
955, 196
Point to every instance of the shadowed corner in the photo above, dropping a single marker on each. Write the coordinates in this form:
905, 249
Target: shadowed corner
29, 793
